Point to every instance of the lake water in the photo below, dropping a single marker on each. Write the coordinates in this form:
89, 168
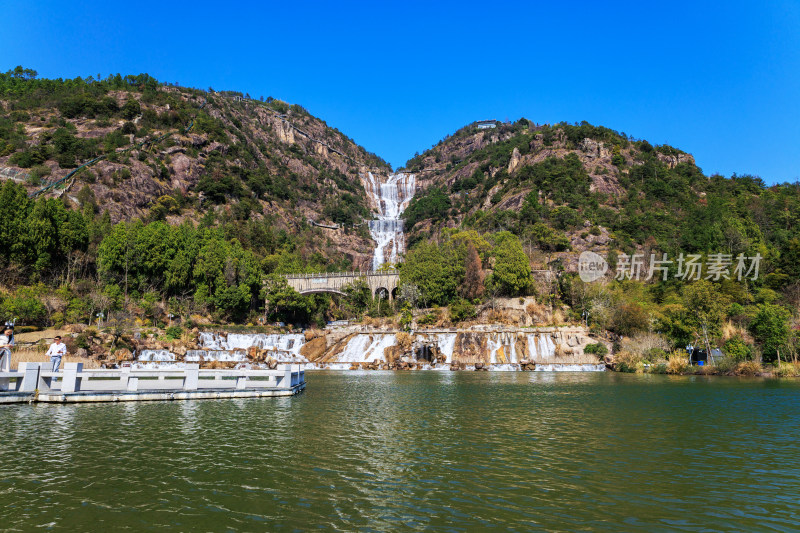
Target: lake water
446, 451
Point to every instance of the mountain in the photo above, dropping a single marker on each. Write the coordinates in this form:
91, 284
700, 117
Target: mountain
572, 187
141, 198
179, 154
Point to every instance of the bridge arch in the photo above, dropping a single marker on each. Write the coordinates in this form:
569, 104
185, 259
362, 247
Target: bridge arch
320, 291
335, 281
382, 293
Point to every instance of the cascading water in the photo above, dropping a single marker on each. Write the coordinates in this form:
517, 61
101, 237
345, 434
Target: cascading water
503, 351
390, 199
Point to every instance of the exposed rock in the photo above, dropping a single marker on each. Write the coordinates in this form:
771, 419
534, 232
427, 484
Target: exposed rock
594, 149
284, 131
514, 161
674, 160
314, 349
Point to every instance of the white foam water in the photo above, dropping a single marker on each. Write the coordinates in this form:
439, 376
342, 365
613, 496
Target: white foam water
366, 348
571, 368
155, 356
361, 348
390, 198
290, 342
504, 368
446, 342
541, 347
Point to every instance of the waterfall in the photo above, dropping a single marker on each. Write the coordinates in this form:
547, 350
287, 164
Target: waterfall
390, 199
366, 348
499, 353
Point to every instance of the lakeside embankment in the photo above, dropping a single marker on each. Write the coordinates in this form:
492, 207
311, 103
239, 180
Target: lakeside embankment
362, 347
351, 347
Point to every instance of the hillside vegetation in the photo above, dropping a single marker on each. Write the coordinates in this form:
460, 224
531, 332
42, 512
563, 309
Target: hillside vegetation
201, 199
198, 196
562, 189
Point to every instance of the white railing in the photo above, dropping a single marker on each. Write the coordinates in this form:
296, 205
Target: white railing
31, 377
368, 273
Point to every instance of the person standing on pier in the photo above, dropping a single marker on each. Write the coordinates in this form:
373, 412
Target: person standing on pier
57, 350
6, 343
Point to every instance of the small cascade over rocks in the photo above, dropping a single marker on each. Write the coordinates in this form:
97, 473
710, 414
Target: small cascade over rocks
285, 348
504, 349
390, 198
156, 356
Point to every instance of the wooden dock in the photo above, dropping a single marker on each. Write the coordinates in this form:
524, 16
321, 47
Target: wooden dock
35, 382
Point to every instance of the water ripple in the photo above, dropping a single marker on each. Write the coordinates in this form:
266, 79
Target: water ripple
407, 451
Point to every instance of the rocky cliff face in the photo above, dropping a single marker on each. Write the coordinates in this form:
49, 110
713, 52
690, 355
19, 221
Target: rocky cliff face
496, 171
241, 158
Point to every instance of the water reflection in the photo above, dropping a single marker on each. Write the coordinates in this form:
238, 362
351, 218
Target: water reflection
439, 450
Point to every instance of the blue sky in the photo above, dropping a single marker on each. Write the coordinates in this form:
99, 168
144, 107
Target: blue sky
719, 80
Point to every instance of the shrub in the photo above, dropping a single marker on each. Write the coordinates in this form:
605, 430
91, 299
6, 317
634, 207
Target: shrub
406, 317
462, 310
628, 319
628, 362
770, 327
404, 340
655, 354
174, 332
748, 368
660, 368
82, 341
788, 370
737, 350
599, 349
427, 319
677, 363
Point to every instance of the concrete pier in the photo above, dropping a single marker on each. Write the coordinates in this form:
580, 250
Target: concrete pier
34, 382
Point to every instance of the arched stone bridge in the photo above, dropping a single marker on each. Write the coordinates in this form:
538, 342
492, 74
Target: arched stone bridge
378, 282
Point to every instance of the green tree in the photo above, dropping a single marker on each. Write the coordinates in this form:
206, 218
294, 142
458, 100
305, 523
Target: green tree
359, 295
706, 305
131, 109
770, 328
282, 301
512, 269
436, 271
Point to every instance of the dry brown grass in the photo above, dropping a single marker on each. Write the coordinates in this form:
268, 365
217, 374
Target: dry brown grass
732, 331
677, 362
404, 340
788, 370
537, 312
36, 336
443, 320
187, 337
559, 351
34, 356
642, 343
631, 360
557, 318
498, 316
747, 368
371, 322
